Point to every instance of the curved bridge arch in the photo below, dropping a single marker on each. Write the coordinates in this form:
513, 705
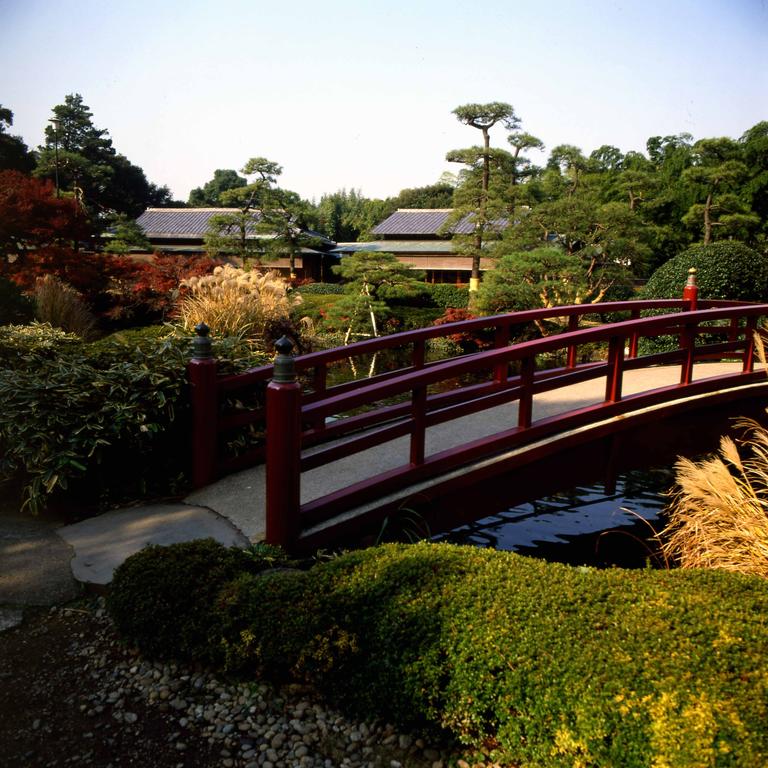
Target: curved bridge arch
339, 458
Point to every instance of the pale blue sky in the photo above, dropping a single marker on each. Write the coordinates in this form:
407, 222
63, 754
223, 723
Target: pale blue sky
359, 94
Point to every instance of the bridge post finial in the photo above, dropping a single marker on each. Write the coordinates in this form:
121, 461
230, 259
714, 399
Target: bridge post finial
691, 290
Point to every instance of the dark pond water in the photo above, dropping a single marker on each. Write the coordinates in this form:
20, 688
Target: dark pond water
582, 526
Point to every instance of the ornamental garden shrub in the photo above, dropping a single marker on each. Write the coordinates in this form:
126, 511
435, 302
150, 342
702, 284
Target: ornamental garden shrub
162, 598
101, 423
321, 289
527, 662
725, 270
445, 295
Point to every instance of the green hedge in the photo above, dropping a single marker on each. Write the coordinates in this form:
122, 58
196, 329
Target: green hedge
324, 289
98, 423
528, 662
445, 295
161, 598
726, 270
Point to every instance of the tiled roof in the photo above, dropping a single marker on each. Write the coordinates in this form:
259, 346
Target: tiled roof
193, 224
413, 221
180, 222
424, 221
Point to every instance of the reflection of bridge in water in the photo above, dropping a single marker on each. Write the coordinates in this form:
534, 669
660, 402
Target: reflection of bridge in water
432, 435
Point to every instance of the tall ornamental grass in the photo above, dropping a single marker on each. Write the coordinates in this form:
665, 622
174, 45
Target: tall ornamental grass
233, 302
718, 517
60, 305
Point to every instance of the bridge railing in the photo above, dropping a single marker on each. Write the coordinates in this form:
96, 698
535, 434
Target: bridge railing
283, 491
415, 397
214, 423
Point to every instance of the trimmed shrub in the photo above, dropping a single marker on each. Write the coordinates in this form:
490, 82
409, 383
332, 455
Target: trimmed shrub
445, 295
726, 270
162, 598
321, 289
530, 663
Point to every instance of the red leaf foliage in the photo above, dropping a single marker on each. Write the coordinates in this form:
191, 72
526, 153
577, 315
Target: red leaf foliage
469, 342
32, 216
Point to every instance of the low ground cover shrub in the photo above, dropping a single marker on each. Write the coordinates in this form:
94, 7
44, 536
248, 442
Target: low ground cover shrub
101, 422
162, 598
530, 663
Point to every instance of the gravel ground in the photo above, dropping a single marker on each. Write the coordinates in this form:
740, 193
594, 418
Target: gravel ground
72, 695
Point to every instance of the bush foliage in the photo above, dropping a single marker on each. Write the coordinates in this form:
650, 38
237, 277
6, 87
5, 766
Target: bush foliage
321, 289
529, 662
161, 598
725, 270
111, 415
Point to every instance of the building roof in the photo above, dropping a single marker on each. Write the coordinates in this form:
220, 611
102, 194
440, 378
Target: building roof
415, 221
194, 223
412, 222
181, 222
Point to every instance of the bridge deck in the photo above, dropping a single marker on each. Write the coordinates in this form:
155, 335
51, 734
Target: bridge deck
241, 497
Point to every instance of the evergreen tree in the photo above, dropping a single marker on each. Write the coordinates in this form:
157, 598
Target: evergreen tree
14, 153
480, 197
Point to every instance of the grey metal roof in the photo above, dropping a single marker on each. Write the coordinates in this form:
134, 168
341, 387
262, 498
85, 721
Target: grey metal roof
180, 222
413, 221
425, 221
193, 224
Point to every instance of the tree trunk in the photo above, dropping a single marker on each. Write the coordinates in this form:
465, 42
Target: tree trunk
708, 219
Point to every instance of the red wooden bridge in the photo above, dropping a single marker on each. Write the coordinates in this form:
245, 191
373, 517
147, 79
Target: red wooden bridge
336, 459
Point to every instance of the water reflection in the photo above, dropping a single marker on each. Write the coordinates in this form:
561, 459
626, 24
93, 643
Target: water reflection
583, 525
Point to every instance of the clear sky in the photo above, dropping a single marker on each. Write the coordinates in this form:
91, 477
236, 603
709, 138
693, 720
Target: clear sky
359, 94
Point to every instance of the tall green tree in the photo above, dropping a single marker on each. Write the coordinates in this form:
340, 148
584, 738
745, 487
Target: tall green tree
476, 199
14, 153
716, 174
80, 158
755, 145
210, 194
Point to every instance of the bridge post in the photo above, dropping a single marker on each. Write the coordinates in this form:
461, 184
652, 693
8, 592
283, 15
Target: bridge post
283, 450
202, 371
615, 374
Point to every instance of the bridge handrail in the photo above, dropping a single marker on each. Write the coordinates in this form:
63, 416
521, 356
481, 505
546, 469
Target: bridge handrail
325, 357
454, 367
287, 462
